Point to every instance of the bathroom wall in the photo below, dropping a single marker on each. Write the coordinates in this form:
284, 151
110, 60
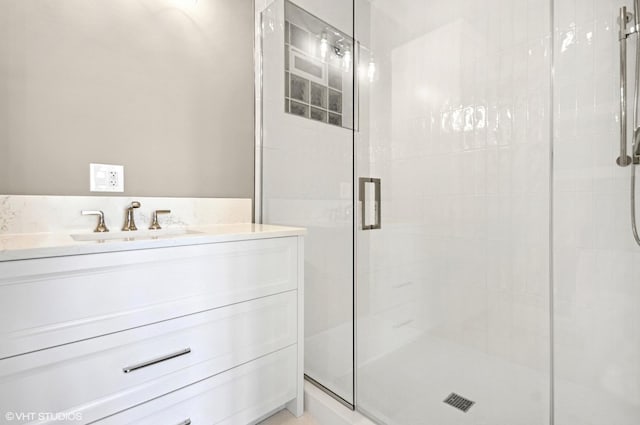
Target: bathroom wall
163, 87
596, 261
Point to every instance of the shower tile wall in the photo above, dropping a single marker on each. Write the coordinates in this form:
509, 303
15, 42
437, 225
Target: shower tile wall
455, 297
597, 263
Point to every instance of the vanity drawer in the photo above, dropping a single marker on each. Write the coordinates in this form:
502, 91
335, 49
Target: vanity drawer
239, 396
53, 301
105, 375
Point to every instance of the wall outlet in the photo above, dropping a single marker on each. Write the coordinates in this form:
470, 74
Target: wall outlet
106, 178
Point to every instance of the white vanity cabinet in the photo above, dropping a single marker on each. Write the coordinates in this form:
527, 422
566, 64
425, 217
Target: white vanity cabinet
208, 333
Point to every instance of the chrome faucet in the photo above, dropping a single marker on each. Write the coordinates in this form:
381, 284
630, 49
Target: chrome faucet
129, 222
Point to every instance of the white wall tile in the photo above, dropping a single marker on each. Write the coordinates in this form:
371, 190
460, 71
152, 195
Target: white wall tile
597, 344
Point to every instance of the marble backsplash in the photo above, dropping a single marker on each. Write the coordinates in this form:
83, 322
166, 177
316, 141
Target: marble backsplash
54, 214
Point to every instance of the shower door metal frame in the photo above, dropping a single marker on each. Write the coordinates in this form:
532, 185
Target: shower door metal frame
258, 204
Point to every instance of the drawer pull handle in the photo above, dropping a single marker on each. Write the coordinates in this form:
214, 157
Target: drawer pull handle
156, 361
185, 422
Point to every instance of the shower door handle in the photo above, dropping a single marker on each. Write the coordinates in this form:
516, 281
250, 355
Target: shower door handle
377, 203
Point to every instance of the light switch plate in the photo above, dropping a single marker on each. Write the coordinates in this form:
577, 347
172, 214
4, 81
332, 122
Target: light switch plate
106, 178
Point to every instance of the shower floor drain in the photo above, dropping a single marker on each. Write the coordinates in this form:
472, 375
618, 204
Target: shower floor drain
459, 402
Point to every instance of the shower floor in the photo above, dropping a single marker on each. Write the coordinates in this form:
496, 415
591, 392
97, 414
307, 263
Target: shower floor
409, 385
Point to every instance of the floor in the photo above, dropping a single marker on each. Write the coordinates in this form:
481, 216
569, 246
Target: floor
286, 418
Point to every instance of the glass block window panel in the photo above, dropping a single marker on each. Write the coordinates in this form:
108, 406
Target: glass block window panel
335, 119
318, 70
299, 89
318, 96
335, 101
318, 114
309, 66
299, 38
300, 109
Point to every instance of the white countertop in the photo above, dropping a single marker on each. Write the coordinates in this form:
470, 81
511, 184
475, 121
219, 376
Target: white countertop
23, 246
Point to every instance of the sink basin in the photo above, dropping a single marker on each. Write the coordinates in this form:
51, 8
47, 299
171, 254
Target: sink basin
133, 236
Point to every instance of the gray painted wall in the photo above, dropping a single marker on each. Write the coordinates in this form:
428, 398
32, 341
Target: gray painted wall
163, 87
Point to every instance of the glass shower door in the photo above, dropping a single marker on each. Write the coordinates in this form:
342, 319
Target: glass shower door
307, 167
453, 309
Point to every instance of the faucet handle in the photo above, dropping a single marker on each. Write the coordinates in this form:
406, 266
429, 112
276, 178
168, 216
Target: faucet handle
154, 223
101, 227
